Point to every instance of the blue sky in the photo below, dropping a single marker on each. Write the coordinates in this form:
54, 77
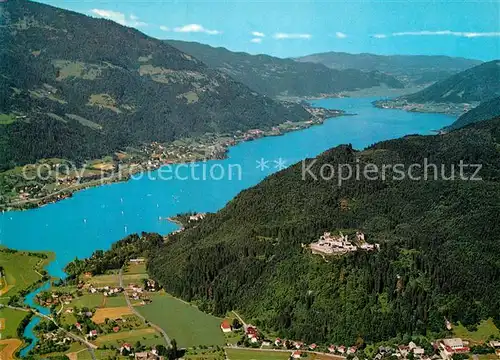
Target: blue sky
300, 27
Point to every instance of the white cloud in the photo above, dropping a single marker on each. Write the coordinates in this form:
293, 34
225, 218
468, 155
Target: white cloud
119, 17
164, 28
281, 36
340, 35
256, 40
440, 33
196, 28
258, 34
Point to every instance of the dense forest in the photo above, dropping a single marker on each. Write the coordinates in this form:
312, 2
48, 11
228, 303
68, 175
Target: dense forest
484, 111
77, 87
438, 257
480, 83
413, 69
274, 76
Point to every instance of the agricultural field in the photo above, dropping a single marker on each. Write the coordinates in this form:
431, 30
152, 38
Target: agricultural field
102, 314
115, 301
484, 330
21, 270
243, 354
135, 269
9, 321
110, 279
100, 354
67, 319
147, 336
89, 301
183, 322
205, 354
8, 348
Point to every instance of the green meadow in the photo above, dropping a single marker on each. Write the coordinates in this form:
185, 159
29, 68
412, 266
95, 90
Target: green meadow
183, 322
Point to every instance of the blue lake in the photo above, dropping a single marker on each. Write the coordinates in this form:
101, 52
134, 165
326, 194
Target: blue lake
95, 218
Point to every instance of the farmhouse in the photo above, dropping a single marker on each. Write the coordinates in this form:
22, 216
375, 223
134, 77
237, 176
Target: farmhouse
453, 346
225, 326
296, 354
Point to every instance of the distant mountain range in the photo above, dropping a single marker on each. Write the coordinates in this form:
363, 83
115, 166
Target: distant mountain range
77, 87
414, 69
479, 83
284, 77
484, 111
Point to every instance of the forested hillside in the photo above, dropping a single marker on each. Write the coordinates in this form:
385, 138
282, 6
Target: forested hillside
480, 83
439, 245
415, 69
484, 111
284, 77
77, 87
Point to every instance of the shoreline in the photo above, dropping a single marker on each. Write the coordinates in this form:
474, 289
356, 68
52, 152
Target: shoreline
452, 109
218, 146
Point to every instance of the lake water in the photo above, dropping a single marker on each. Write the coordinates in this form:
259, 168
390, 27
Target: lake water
95, 218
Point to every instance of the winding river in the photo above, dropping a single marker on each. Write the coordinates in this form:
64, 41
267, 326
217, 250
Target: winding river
95, 218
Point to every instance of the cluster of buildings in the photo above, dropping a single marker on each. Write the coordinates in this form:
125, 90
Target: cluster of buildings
450, 347
105, 290
444, 349
495, 344
329, 244
197, 217
56, 298
126, 349
57, 337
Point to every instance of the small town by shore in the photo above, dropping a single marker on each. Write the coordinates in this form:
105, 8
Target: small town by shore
52, 180
448, 108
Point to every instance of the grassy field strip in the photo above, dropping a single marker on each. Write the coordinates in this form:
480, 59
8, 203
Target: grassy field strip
20, 270
102, 314
148, 337
183, 322
484, 330
243, 354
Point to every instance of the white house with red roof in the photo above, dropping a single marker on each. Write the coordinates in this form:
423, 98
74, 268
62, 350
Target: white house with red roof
296, 354
453, 346
254, 338
226, 327
250, 331
313, 347
341, 349
331, 348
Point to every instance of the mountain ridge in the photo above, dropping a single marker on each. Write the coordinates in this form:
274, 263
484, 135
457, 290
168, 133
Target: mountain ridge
416, 69
86, 95
253, 256
281, 76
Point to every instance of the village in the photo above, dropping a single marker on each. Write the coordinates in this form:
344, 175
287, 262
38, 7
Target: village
23, 188
329, 244
442, 349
